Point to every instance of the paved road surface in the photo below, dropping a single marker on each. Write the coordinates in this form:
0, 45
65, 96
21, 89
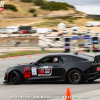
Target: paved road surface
91, 90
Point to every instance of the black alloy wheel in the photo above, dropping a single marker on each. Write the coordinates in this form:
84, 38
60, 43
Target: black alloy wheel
75, 77
15, 78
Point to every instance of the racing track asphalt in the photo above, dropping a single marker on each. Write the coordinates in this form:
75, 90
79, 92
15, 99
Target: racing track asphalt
92, 90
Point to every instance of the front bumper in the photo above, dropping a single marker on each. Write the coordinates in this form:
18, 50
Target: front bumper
6, 79
92, 76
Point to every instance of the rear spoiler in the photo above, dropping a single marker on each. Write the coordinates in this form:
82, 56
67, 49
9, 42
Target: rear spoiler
96, 60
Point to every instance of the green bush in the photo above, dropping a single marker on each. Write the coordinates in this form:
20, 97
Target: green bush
11, 7
52, 5
55, 6
71, 6
26, 0
34, 15
32, 10
70, 21
38, 2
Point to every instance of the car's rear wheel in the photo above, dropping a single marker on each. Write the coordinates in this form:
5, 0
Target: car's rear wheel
15, 78
75, 77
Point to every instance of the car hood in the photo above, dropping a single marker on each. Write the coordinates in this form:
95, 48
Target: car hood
20, 65
24, 63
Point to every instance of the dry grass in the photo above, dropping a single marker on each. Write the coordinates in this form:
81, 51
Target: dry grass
43, 22
17, 22
53, 22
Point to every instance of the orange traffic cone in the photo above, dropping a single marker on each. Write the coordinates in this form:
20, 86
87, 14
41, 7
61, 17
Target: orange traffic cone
68, 94
14, 57
74, 51
9, 57
80, 51
29, 56
37, 54
18, 56
3, 58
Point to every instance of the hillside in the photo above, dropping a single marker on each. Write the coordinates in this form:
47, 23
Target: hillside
25, 9
17, 8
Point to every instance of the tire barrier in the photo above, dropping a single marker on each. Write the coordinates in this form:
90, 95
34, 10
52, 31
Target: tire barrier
67, 45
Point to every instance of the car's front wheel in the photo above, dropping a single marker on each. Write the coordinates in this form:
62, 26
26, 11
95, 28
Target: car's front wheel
15, 78
75, 77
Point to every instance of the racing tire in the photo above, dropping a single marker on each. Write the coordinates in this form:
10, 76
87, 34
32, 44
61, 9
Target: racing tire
75, 77
15, 78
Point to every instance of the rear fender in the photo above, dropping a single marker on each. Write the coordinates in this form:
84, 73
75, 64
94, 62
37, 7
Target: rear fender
66, 78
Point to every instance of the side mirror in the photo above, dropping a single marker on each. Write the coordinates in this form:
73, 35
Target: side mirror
36, 63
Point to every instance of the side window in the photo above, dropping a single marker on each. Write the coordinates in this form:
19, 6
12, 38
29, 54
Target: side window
66, 59
50, 60
47, 60
77, 59
71, 58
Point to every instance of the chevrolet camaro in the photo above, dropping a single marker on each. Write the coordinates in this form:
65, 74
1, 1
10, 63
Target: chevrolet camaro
73, 68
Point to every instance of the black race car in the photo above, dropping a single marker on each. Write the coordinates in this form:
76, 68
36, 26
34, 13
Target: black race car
74, 68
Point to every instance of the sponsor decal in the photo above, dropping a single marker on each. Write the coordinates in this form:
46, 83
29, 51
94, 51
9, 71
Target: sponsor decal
34, 71
2, 5
27, 72
45, 71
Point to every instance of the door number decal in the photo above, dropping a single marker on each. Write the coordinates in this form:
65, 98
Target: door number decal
34, 71
45, 71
